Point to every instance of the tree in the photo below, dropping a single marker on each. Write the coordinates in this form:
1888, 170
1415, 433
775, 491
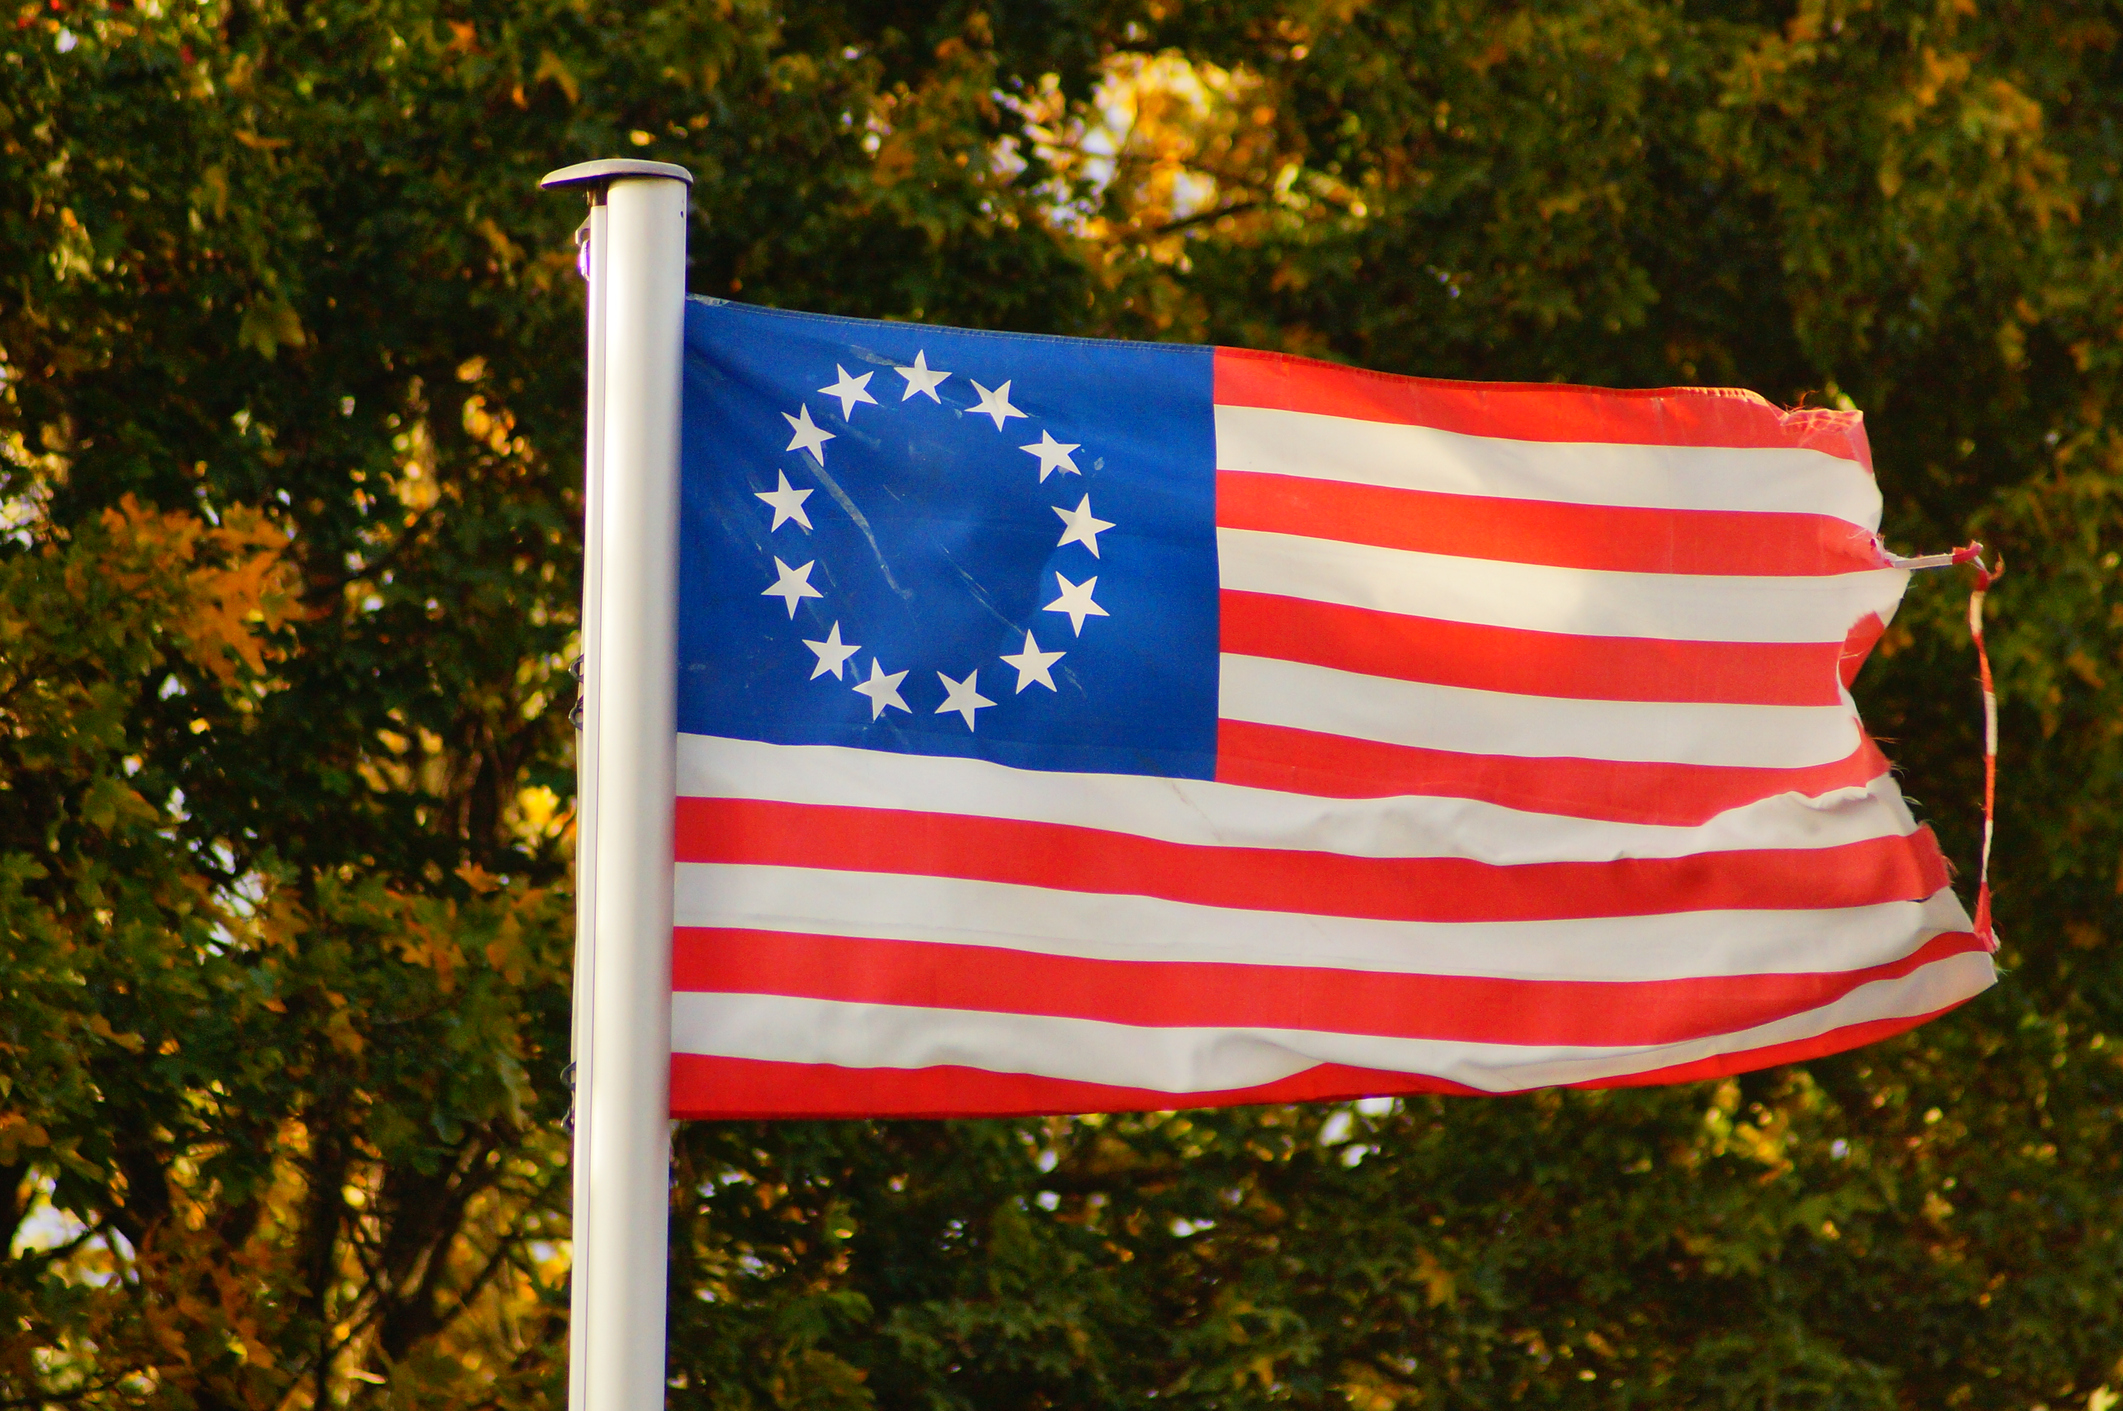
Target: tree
290, 425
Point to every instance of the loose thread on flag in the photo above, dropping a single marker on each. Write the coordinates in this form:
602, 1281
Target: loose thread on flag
1972, 553
1985, 931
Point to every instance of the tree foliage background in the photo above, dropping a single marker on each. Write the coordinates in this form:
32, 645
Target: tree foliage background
289, 487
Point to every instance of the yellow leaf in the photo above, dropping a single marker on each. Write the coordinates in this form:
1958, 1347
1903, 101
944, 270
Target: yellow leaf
214, 188
268, 326
340, 1030
477, 878
550, 66
1440, 1286
17, 1131
538, 804
101, 1028
504, 248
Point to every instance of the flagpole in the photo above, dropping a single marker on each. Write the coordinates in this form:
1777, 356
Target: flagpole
626, 765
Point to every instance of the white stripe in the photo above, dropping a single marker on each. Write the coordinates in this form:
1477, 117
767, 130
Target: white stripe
1324, 447
777, 1028
1202, 813
1104, 926
1264, 691
1534, 597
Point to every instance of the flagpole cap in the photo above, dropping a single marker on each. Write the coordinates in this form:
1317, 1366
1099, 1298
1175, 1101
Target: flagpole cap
605, 170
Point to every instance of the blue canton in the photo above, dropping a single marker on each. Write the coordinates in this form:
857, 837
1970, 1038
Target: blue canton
943, 542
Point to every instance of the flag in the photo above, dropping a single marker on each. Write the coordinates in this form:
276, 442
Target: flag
1072, 725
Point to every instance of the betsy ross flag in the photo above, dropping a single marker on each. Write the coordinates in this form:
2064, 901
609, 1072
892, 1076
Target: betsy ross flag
1071, 725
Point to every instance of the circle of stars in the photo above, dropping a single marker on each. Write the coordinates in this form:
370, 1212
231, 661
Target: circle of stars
1033, 664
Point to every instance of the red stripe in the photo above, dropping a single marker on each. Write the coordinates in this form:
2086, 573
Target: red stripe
1070, 858
1608, 537
1858, 645
1520, 661
1535, 411
1681, 795
702, 1086
1181, 994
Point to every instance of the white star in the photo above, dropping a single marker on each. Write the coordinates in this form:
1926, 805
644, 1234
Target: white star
1084, 528
831, 653
808, 435
962, 696
1053, 455
995, 404
1075, 600
793, 585
920, 379
788, 504
883, 689
1032, 664
850, 390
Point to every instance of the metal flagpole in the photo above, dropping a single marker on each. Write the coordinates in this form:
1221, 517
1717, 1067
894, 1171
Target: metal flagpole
594, 249
622, 1026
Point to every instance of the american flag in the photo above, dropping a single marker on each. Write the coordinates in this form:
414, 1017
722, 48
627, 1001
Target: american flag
1072, 725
